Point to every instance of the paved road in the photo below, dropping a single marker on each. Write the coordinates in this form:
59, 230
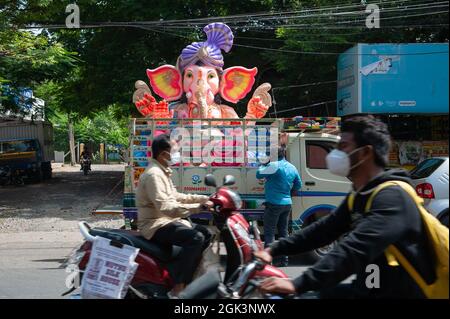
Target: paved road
38, 229
30, 266
38, 226
59, 203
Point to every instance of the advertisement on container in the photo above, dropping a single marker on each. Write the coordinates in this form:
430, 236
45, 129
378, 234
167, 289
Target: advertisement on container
347, 84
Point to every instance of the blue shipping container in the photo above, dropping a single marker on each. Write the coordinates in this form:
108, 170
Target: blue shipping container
393, 79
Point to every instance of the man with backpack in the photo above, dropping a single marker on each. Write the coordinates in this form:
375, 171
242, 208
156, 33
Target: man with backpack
384, 237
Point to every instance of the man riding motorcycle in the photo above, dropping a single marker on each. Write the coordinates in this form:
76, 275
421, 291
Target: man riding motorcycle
86, 157
393, 218
162, 213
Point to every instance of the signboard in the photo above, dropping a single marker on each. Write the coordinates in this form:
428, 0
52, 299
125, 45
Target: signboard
393, 79
109, 270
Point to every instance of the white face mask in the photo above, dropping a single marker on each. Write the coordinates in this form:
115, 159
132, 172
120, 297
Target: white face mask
338, 162
175, 158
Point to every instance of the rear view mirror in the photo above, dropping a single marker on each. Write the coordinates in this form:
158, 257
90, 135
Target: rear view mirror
229, 180
210, 180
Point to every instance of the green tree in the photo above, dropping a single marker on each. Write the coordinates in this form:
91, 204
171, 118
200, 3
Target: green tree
115, 57
27, 60
111, 58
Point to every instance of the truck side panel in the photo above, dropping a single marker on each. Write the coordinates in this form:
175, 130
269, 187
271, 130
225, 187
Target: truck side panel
43, 132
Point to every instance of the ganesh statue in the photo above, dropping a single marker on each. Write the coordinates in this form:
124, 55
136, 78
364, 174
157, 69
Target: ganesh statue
197, 85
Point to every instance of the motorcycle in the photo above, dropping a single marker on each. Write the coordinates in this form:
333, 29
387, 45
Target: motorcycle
85, 165
152, 278
9, 176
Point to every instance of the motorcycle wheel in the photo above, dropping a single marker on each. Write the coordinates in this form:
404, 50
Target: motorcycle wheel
85, 169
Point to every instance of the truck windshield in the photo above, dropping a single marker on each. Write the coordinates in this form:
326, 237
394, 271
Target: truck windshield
17, 146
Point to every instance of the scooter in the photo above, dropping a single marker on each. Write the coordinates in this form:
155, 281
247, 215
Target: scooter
153, 279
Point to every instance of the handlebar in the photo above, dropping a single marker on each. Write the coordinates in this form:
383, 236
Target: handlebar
84, 230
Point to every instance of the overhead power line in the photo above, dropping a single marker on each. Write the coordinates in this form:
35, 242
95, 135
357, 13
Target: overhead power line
328, 15
303, 107
309, 25
310, 52
281, 13
183, 23
332, 53
303, 85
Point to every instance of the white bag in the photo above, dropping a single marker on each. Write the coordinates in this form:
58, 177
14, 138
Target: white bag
109, 271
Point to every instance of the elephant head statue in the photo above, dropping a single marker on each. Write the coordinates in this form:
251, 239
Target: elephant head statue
199, 83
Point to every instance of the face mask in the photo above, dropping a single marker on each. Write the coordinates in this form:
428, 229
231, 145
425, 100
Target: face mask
338, 162
175, 158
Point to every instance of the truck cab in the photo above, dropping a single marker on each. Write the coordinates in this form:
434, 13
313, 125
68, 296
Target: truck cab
28, 147
25, 156
321, 191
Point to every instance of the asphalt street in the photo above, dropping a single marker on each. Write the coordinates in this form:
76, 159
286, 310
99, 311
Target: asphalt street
31, 265
38, 228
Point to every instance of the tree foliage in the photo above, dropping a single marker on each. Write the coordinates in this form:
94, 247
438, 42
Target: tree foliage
110, 59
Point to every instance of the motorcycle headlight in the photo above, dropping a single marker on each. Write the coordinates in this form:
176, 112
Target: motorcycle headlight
236, 199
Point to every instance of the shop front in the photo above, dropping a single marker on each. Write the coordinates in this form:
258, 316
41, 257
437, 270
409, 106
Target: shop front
417, 137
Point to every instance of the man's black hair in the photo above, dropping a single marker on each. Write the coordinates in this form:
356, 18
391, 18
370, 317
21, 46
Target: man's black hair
160, 144
367, 130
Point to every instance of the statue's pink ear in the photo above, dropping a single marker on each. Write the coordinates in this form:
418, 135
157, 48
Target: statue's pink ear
166, 82
236, 82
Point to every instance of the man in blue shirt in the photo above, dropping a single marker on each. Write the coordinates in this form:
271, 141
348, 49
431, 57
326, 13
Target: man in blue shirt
282, 179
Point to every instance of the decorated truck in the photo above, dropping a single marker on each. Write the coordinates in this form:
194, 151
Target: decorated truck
208, 136
202, 147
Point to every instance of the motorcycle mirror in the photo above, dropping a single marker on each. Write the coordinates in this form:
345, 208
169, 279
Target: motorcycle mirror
210, 180
229, 180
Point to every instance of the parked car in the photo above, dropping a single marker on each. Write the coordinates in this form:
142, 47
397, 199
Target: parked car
430, 178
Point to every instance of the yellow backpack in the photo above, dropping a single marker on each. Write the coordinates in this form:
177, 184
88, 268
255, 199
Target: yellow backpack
437, 235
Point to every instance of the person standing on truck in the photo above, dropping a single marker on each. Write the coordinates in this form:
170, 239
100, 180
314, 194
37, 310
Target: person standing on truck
364, 232
282, 179
162, 213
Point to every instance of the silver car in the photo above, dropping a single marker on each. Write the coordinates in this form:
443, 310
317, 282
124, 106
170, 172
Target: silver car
430, 178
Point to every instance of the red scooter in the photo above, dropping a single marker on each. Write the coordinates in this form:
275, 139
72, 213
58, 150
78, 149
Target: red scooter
152, 278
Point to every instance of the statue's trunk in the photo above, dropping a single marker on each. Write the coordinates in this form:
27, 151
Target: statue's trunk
203, 105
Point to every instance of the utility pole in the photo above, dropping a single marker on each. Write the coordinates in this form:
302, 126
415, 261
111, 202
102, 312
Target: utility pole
71, 143
102, 153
